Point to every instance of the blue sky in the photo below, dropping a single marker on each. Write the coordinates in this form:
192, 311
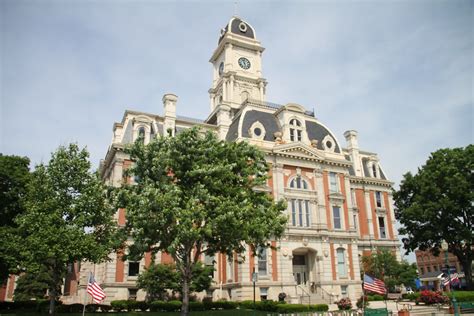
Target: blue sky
398, 72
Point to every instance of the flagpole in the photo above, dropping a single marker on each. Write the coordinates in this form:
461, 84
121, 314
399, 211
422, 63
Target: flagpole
85, 296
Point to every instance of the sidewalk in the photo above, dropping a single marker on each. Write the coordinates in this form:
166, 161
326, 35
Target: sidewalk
411, 306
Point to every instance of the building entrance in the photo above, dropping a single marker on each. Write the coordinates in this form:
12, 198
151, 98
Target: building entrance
300, 269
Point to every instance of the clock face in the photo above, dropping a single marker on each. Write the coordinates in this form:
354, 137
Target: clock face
221, 69
244, 63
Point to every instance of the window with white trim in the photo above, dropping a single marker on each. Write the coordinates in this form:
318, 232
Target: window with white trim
296, 130
341, 263
262, 261
344, 290
382, 230
300, 212
336, 216
333, 182
378, 198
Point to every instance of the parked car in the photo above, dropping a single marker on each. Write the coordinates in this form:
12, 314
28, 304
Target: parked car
409, 290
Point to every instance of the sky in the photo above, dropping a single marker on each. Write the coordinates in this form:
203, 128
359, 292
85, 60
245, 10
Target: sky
398, 72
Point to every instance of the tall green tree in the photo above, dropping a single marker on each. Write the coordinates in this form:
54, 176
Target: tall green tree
195, 194
67, 217
14, 176
34, 285
159, 278
437, 204
384, 265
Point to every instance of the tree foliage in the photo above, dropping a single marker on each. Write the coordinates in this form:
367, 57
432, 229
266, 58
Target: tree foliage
67, 217
436, 205
195, 194
160, 278
34, 285
384, 266
14, 176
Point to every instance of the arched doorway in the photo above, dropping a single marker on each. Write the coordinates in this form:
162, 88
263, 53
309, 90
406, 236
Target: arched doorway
304, 266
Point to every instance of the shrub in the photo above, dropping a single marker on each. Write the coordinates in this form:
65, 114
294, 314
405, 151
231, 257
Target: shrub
267, 305
319, 308
132, 305
222, 304
171, 306
246, 304
363, 300
411, 297
92, 308
462, 296
430, 297
375, 297
196, 306
119, 305
291, 308
6, 306
142, 305
25, 305
344, 304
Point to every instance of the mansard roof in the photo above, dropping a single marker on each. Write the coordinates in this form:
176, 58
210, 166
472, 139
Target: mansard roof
239, 27
267, 114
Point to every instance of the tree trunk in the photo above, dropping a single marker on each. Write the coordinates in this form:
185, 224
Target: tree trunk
52, 300
466, 264
185, 288
53, 290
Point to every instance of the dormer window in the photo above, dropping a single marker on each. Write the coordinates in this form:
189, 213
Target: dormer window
295, 130
374, 170
141, 132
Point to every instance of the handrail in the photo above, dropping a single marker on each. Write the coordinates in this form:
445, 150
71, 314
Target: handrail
324, 291
304, 292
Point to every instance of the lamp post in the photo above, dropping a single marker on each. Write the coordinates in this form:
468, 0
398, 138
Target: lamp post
444, 246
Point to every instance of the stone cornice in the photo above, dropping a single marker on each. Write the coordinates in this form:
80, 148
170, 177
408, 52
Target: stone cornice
373, 181
303, 152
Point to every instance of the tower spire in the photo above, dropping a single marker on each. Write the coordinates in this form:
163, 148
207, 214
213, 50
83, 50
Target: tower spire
236, 8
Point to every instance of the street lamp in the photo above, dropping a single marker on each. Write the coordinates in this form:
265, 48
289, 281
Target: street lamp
444, 246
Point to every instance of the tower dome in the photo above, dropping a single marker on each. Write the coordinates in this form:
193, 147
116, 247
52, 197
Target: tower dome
239, 27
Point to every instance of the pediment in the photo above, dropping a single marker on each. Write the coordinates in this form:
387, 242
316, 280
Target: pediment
298, 150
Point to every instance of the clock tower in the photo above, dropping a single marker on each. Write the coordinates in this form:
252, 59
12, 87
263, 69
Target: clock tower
237, 67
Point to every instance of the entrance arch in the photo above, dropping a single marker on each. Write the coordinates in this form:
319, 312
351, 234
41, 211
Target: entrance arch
304, 266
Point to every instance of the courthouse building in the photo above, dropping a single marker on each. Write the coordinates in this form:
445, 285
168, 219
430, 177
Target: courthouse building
339, 198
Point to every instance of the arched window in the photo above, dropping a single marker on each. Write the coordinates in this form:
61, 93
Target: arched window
299, 183
341, 263
295, 130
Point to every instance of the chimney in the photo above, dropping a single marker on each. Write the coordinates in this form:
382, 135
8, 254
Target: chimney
353, 148
351, 138
169, 103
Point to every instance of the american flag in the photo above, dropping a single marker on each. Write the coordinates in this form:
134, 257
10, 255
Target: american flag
95, 290
454, 279
374, 285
